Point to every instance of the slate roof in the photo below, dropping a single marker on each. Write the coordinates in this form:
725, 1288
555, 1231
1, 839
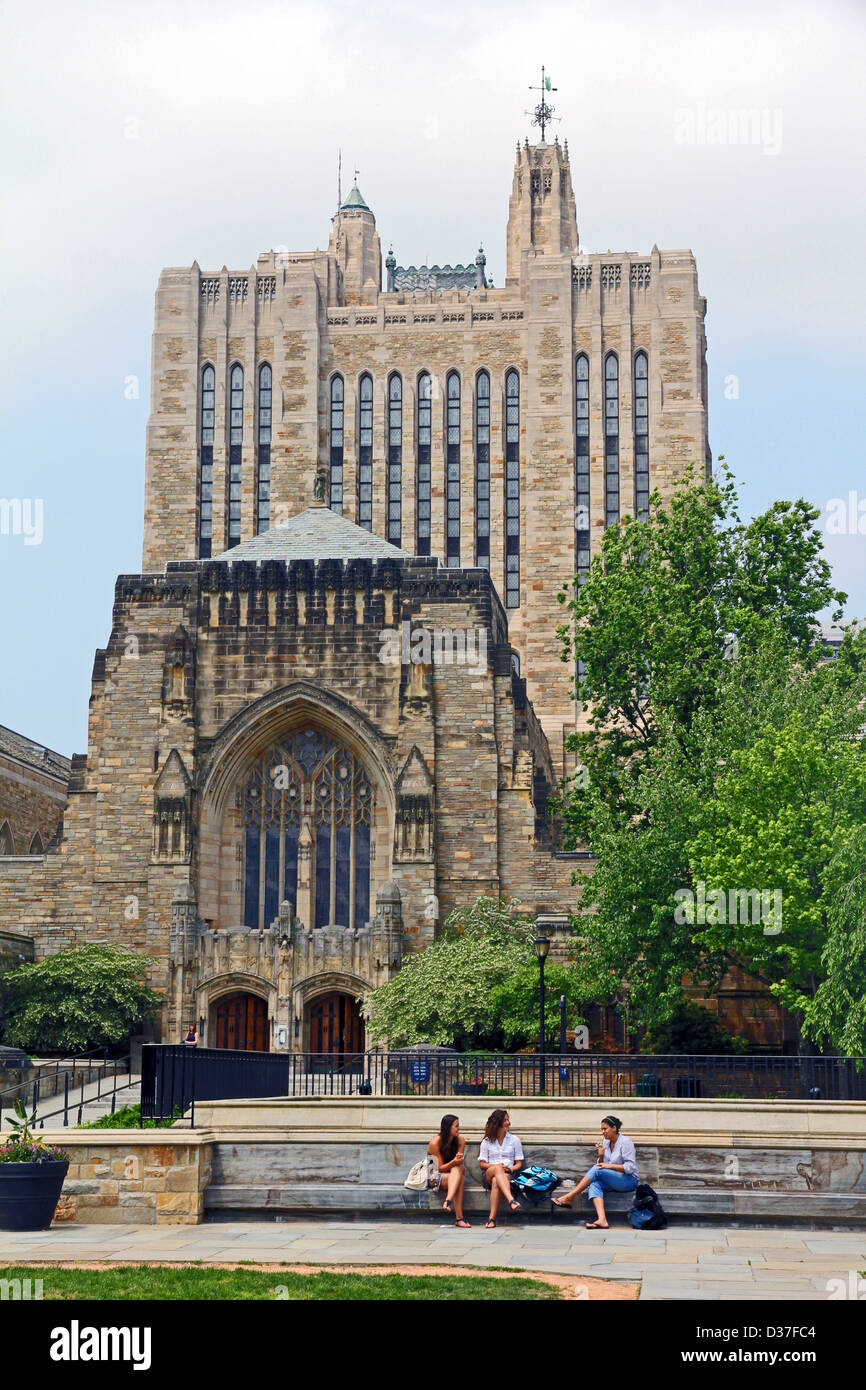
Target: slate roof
315, 534
35, 755
435, 277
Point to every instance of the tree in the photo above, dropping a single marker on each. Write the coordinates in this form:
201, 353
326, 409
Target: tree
77, 1000
476, 987
692, 631
836, 1013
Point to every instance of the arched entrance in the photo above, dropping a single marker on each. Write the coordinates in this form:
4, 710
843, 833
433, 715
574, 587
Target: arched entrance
242, 1022
335, 1024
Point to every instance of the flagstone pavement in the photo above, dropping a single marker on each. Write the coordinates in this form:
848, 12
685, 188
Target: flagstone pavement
679, 1263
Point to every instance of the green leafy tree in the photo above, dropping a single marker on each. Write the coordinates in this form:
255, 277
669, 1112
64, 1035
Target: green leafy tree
476, 987
836, 1013
692, 629
77, 1000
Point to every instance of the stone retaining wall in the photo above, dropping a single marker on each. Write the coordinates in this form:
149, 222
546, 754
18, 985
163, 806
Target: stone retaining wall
125, 1176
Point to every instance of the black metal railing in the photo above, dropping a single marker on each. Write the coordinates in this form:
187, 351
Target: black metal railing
175, 1077
68, 1077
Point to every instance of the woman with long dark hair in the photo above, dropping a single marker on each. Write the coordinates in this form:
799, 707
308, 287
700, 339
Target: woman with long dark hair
500, 1157
448, 1147
615, 1171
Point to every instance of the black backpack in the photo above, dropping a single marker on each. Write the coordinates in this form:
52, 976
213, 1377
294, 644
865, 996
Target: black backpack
647, 1213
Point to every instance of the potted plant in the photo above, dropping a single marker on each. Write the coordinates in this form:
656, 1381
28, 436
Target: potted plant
31, 1176
469, 1085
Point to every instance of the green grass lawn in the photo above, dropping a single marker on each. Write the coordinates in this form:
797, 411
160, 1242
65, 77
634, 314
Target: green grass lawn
206, 1284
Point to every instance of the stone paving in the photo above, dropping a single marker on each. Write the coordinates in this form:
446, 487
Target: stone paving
679, 1263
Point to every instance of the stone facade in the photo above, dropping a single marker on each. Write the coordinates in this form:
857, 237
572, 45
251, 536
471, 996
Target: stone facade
33, 782
308, 743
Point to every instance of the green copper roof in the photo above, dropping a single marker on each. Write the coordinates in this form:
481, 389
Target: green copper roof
354, 199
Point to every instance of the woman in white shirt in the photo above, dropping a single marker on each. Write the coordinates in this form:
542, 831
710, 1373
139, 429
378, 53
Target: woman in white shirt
615, 1171
499, 1158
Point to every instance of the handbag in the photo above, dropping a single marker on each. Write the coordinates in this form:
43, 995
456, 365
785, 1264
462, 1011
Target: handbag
423, 1174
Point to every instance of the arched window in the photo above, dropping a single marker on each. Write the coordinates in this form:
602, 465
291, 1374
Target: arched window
452, 479
365, 455
205, 497
395, 458
36, 845
425, 412
482, 471
641, 437
512, 490
308, 788
581, 467
236, 440
335, 492
7, 844
611, 440
263, 492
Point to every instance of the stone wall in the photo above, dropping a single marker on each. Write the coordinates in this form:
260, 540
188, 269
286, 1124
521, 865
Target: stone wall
148, 1177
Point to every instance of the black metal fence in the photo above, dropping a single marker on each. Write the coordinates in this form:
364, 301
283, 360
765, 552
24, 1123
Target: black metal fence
72, 1079
175, 1077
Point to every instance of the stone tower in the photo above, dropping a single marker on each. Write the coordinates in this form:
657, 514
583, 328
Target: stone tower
359, 254
541, 213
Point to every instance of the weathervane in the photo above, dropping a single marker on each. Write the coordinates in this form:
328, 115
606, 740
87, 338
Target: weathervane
543, 113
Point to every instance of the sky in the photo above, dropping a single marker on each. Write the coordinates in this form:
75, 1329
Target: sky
142, 136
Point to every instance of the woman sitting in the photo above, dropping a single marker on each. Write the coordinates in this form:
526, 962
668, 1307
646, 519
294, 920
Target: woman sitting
449, 1149
615, 1171
500, 1156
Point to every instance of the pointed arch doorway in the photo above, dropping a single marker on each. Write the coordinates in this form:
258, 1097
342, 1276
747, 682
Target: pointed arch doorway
242, 1022
336, 1027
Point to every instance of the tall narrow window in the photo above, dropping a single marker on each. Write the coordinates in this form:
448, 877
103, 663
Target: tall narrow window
482, 471
336, 482
263, 486
512, 490
641, 437
611, 440
581, 467
236, 439
365, 456
425, 411
205, 497
452, 480
395, 458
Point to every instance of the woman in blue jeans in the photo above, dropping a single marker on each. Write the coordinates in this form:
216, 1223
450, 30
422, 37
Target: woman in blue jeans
615, 1171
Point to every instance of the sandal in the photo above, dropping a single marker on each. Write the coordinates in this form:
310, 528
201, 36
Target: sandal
447, 1207
596, 1226
464, 1225
563, 1206
515, 1206
488, 1225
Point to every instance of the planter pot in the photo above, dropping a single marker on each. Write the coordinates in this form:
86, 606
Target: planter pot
29, 1193
469, 1088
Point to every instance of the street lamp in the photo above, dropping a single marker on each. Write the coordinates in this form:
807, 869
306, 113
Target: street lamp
542, 946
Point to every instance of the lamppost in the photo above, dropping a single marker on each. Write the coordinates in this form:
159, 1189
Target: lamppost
542, 946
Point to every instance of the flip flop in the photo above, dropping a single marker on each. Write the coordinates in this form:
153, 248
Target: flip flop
596, 1226
563, 1206
488, 1225
464, 1225
447, 1207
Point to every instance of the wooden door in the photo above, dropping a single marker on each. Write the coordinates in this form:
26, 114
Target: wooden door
242, 1022
336, 1026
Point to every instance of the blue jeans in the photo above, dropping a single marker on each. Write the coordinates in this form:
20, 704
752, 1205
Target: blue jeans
608, 1180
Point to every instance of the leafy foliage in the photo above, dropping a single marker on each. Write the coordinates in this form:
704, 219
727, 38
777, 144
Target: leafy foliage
24, 1145
719, 748
77, 1000
477, 986
691, 1030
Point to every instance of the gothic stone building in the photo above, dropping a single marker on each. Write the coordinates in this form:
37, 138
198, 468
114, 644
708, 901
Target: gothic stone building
332, 706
